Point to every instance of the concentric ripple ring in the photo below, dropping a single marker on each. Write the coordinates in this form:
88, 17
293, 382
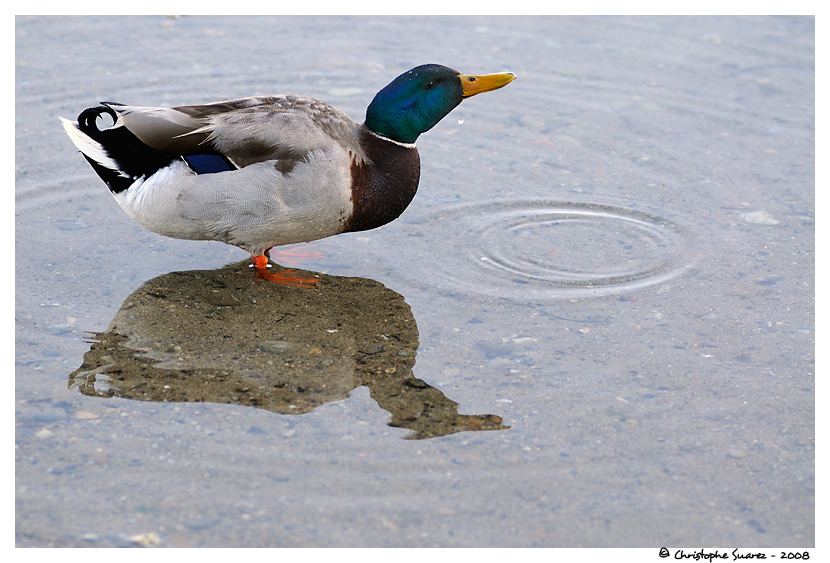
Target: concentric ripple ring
555, 249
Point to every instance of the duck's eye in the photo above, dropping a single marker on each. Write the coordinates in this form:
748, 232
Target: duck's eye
430, 85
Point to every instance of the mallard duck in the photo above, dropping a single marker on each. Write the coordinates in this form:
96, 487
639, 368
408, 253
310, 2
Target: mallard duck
273, 170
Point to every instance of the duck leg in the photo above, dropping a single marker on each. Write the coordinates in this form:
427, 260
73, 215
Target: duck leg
261, 267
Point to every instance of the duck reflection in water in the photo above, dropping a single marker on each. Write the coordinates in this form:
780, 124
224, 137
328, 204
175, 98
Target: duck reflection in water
215, 336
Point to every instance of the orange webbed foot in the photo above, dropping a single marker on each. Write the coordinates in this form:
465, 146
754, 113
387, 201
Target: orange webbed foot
283, 277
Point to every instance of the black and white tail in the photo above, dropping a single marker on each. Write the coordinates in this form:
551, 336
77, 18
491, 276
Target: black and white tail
117, 155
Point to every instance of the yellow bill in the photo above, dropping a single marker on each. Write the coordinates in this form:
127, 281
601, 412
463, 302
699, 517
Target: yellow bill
472, 84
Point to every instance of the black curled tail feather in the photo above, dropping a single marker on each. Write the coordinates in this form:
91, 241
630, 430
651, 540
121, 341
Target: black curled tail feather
87, 121
130, 159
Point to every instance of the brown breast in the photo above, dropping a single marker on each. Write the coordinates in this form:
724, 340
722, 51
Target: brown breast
383, 183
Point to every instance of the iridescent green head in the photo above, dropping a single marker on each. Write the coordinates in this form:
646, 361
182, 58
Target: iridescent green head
419, 98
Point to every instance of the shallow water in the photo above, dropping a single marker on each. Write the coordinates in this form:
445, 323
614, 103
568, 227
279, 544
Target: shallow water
609, 266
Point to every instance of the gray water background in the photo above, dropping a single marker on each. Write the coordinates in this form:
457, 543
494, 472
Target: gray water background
615, 254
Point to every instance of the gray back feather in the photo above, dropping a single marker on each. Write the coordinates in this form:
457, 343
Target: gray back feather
248, 130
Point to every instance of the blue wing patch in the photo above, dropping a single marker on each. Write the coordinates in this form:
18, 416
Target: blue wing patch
208, 163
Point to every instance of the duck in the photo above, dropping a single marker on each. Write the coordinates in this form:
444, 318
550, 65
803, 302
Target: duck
268, 171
